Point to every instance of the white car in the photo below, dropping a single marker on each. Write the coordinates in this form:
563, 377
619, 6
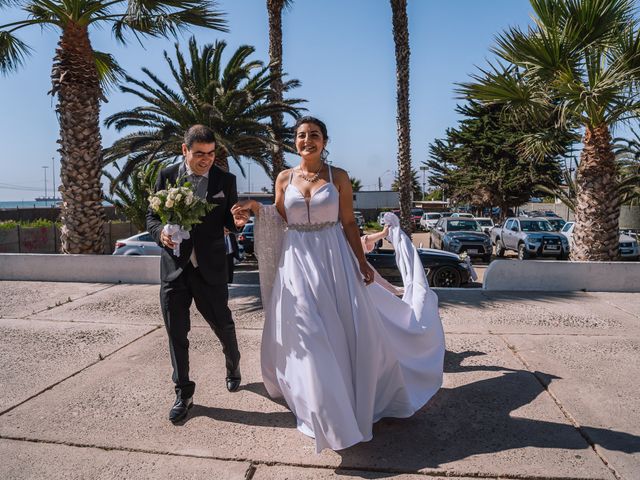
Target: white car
627, 246
429, 220
462, 215
139, 244
485, 223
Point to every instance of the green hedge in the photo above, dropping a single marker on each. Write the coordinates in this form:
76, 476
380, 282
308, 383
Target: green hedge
39, 222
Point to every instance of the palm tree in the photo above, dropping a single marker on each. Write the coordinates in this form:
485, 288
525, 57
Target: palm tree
234, 99
130, 197
274, 9
356, 184
79, 77
401, 40
580, 61
627, 153
414, 185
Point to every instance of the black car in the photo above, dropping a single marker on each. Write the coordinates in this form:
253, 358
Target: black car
443, 269
460, 234
245, 238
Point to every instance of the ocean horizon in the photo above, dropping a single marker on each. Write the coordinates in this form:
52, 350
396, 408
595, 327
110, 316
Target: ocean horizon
16, 204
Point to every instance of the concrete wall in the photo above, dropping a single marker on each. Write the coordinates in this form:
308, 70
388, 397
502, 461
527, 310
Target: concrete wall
80, 268
47, 239
559, 276
27, 214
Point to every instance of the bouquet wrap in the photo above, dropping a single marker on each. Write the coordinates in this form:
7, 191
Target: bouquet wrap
177, 234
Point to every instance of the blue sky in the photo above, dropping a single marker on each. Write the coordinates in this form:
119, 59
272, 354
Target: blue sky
341, 51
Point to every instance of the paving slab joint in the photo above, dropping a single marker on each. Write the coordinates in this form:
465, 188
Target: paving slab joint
570, 418
100, 359
64, 302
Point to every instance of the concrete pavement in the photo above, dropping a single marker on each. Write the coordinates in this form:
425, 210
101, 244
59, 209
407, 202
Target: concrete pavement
537, 386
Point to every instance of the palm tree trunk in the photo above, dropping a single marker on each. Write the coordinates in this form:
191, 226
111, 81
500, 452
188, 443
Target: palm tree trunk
401, 40
597, 211
274, 8
75, 81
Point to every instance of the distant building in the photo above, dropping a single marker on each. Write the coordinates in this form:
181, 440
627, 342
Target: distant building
370, 203
376, 199
432, 205
261, 197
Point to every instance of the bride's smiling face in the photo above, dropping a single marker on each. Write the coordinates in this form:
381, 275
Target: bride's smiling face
309, 140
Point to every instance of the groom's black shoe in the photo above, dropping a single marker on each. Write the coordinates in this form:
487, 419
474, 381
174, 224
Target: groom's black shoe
233, 380
180, 409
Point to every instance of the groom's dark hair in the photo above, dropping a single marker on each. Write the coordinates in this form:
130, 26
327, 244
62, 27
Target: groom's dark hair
198, 134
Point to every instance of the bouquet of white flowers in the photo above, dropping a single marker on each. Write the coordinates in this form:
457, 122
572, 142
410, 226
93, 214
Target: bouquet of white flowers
179, 209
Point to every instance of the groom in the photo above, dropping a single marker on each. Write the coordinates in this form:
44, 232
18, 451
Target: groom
200, 272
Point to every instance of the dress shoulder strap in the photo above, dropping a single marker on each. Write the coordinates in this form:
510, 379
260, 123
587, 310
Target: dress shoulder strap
290, 176
330, 174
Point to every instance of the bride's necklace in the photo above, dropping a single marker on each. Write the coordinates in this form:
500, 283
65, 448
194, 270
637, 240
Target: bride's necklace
312, 179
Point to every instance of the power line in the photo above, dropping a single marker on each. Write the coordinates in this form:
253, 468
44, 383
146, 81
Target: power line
8, 186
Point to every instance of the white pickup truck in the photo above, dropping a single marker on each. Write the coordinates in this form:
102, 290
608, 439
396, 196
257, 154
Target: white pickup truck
530, 238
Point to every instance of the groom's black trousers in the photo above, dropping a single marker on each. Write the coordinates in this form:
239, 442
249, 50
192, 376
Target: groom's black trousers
211, 302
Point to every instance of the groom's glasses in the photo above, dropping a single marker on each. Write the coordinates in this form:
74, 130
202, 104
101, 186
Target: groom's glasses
200, 155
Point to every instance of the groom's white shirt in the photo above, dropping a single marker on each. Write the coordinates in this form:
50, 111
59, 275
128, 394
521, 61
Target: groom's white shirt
192, 258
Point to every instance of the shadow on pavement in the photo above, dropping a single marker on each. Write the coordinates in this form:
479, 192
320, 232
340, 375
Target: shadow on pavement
472, 419
479, 298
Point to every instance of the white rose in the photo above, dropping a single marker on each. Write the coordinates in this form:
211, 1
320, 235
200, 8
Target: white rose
178, 197
188, 200
169, 203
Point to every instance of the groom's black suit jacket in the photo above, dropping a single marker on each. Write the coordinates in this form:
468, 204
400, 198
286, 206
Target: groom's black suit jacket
207, 237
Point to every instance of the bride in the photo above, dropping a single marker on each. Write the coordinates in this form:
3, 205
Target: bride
342, 351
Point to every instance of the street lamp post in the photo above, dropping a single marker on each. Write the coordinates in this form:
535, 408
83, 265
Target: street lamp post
423, 169
45, 182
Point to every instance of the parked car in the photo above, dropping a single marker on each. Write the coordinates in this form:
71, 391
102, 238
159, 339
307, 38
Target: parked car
627, 245
416, 215
429, 220
459, 234
530, 238
139, 244
556, 222
443, 269
359, 220
245, 238
143, 244
461, 215
485, 223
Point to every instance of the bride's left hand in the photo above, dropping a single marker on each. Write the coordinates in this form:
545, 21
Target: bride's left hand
367, 273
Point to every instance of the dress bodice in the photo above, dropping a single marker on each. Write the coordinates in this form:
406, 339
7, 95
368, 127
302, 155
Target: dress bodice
321, 207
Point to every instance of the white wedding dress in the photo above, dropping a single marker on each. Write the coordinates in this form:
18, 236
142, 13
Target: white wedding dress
343, 355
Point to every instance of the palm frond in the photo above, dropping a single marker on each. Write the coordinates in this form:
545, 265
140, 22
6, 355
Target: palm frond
165, 18
13, 52
109, 72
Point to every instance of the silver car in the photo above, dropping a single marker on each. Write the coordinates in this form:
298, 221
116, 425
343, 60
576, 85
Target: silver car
140, 244
627, 245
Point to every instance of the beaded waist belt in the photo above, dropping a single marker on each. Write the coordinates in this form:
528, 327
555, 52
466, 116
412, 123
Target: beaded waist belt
311, 227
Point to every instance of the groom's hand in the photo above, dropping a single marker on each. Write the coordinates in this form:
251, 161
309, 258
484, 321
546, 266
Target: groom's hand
166, 240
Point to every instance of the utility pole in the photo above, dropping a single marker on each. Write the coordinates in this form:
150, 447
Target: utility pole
379, 184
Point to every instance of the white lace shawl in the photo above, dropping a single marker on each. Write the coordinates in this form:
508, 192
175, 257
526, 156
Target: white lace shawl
268, 234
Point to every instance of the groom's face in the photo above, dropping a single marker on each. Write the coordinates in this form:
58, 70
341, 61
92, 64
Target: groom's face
199, 157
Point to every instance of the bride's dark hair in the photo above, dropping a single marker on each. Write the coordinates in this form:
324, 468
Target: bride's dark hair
320, 124
315, 121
